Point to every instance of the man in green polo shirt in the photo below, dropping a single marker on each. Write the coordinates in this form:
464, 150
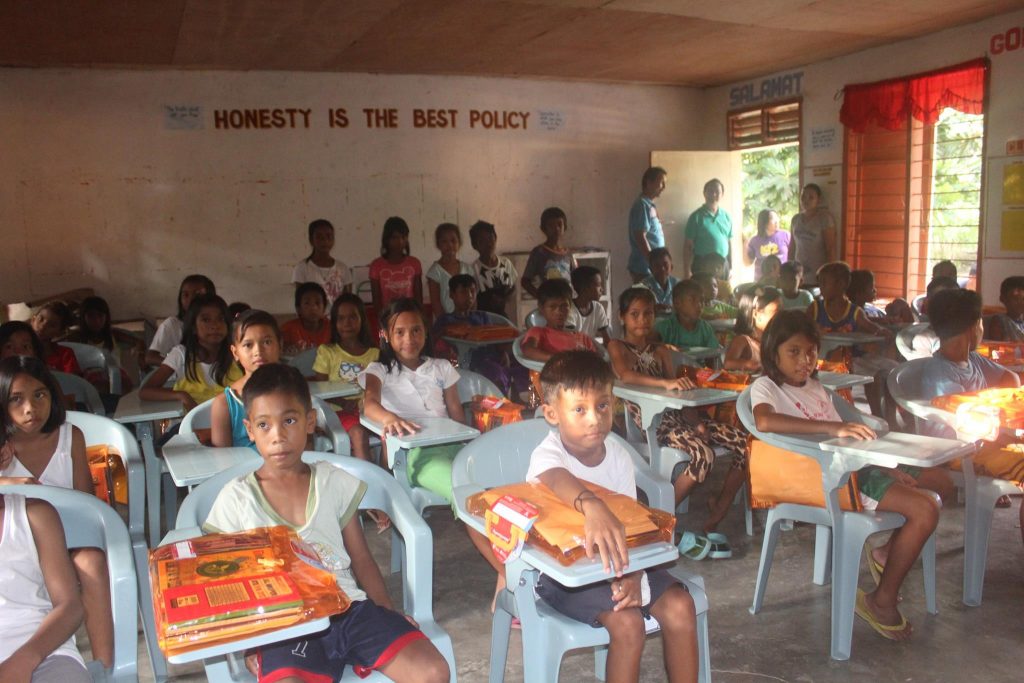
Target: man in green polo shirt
709, 229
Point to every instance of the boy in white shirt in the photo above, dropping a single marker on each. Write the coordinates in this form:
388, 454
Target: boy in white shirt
320, 502
588, 283
578, 402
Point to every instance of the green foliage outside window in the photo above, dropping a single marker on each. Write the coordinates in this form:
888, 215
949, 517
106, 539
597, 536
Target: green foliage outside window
771, 180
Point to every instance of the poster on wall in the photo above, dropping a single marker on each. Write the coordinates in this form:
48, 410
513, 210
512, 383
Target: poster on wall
1004, 209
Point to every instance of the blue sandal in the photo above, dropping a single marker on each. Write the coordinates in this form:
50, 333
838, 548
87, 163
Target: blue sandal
693, 546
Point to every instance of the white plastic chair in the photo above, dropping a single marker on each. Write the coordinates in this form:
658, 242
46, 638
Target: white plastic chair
980, 492
90, 357
857, 527
517, 351
84, 393
336, 439
495, 319
915, 304
99, 430
502, 456
905, 341
90, 523
304, 362
382, 493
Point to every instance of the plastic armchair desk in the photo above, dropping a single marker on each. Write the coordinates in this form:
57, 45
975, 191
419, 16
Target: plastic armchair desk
722, 324
841, 380
835, 340
327, 390
838, 459
696, 355
133, 410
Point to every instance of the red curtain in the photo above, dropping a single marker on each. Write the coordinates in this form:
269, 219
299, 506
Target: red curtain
924, 96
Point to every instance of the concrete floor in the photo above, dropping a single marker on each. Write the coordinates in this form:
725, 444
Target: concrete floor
789, 639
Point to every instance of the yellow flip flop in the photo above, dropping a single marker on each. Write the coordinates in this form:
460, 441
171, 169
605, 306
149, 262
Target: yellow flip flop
887, 632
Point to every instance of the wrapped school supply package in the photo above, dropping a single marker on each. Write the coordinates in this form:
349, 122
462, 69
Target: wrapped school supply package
557, 529
482, 332
224, 587
109, 478
491, 412
780, 476
1002, 405
1006, 353
720, 379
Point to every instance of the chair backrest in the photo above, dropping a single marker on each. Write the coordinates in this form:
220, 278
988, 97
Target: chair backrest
84, 393
197, 418
92, 357
905, 341
90, 523
471, 384
99, 430
904, 384
502, 456
916, 302
517, 351
304, 362
495, 319
535, 319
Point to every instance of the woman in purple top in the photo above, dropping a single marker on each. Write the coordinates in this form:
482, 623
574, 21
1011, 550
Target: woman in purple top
769, 240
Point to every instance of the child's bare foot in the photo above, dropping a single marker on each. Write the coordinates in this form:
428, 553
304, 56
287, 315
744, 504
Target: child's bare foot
716, 513
379, 518
887, 621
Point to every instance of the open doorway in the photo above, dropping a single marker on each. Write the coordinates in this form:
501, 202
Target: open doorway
770, 179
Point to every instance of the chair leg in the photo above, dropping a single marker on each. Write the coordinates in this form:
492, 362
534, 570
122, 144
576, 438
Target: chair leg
170, 501
501, 628
845, 573
822, 554
764, 568
980, 508
928, 568
703, 649
600, 662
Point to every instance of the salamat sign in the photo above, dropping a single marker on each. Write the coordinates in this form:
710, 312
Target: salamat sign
275, 118
774, 88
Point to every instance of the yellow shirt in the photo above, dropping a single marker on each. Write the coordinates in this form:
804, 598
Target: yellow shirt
341, 366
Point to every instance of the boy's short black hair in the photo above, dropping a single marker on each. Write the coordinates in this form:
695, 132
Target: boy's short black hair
784, 326
860, 281
770, 260
574, 371
658, 253
684, 287
1011, 283
237, 308
307, 287
552, 213
12, 327
13, 366
793, 268
252, 318
479, 228
943, 264
953, 311
701, 279
837, 269
273, 378
939, 283
583, 277
709, 263
555, 288
460, 281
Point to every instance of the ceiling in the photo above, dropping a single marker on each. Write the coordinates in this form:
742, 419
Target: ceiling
677, 42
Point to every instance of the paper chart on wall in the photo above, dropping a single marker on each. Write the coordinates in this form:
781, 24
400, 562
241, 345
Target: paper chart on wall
1004, 208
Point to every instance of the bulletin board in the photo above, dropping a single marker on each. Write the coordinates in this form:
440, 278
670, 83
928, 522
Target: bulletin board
1004, 208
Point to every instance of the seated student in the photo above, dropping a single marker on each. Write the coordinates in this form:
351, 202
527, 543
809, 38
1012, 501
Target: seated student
550, 259
834, 312
791, 276
95, 328
554, 300
945, 269
39, 593
925, 343
714, 263
757, 308
496, 277
685, 329
788, 399
589, 285
1009, 326
861, 292
938, 283
638, 361
448, 239
320, 503
168, 335
578, 402
711, 306
490, 361
311, 328
17, 338
770, 271
957, 367
660, 281
50, 323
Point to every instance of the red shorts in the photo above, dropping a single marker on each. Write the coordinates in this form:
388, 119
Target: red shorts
349, 419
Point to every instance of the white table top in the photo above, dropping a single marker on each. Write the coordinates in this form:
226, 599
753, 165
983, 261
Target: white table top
433, 431
132, 409
327, 390
896, 448
190, 463
722, 324
673, 399
475, 343
850, 338
700, 352
840, 380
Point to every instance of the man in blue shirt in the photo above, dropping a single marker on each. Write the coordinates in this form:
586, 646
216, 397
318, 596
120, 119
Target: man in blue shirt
645, 231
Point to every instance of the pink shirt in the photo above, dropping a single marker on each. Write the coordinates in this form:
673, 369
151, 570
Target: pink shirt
396, 279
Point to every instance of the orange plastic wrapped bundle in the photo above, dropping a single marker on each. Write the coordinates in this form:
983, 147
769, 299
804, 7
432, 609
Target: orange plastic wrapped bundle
109, 478
224, 587
1008, 402
558, 529
833, 366
490, 412
720, 379
1007, 353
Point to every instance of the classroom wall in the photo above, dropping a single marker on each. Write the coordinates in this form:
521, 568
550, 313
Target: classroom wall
103, 186
820, 83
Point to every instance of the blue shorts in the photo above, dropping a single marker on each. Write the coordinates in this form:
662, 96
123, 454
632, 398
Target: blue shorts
586, 603
367, 637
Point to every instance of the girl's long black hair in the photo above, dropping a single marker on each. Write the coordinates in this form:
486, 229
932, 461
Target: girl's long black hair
393, 225
13, 366
12, 327
194, 279
96, 304
190, 339
783, 327
313, 227
364, 326
755, 299
405, 305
